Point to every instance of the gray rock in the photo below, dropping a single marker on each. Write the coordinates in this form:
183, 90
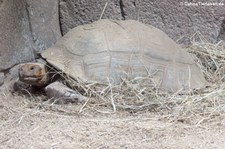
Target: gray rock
11, 81
9, 78
178, 19
15, 37
2, 77
44, 21
74, 13
222, 32
13, 72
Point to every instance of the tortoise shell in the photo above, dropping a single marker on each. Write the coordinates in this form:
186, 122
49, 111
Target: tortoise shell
110, 49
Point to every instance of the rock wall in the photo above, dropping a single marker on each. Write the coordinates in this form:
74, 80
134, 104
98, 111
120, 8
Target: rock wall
15, 37
44, 21
26, 28
178, 18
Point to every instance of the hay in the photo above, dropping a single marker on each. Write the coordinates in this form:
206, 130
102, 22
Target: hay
210, 58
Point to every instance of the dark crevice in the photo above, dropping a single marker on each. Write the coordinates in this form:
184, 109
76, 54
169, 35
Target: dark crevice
29, 22
134, 3
122, 10
30, 29
221, 35
7, 70
59, 15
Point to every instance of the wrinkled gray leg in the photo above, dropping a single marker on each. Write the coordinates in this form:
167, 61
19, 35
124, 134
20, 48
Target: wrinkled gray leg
61, 94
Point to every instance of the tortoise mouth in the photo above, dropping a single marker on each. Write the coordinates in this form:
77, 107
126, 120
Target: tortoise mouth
35, 81
26, 77
31, 79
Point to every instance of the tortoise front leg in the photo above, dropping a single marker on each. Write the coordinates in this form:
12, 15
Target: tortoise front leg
62, 94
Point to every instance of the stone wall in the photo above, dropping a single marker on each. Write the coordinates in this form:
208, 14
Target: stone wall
176, 17
15, 37
44, 20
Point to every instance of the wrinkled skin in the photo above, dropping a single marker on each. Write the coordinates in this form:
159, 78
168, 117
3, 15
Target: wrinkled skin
34, 74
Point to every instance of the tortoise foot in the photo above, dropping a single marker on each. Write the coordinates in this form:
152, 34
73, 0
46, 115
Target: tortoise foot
61, 94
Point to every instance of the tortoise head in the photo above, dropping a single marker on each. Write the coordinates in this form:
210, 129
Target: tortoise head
34, 74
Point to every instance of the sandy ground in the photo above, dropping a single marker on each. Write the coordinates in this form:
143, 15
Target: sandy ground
28, 126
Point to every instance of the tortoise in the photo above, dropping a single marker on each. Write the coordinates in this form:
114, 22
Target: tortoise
111, 49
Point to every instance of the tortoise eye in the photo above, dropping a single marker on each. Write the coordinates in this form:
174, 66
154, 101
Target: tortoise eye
32, 68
